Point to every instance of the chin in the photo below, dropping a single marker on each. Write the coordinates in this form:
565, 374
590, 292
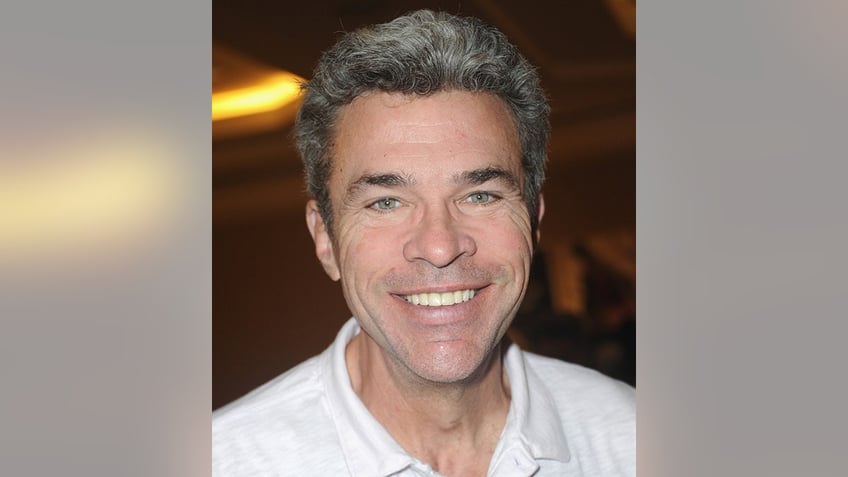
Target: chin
451, 366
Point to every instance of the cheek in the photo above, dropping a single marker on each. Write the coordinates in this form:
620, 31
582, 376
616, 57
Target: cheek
509, 234
365, 252
511, 244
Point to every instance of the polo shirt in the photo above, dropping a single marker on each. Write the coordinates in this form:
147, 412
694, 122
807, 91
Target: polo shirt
563, 420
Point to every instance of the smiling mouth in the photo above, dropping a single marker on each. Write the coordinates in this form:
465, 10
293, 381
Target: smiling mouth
440, 299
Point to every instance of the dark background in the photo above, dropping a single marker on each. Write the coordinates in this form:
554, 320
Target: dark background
272, 304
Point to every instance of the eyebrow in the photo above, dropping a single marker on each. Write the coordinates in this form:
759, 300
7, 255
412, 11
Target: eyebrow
486, 174
379, 180
472, 177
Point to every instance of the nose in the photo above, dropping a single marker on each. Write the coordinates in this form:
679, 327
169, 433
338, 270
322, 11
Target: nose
439, 238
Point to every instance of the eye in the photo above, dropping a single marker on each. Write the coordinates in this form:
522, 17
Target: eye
480, 198
386, 203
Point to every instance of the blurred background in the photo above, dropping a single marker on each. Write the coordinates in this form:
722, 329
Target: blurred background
272, 304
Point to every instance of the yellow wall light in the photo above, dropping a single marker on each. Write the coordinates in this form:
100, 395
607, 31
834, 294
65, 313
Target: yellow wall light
277, 91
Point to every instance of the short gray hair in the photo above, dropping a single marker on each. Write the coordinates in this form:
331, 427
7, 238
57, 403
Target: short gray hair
421, 53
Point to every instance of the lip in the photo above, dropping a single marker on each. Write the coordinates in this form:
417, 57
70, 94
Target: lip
477, 287
455, 314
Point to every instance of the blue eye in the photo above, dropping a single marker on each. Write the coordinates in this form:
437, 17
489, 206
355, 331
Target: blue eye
480, 198
386, 203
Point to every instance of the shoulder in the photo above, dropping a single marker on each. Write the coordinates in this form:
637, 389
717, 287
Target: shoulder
276, 426
598, 413
581, 387
299, 384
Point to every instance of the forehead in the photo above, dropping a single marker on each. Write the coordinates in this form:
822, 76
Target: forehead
447, 129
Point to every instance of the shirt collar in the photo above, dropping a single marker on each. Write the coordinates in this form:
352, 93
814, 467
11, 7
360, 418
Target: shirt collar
533, 419
533, 428
368, 448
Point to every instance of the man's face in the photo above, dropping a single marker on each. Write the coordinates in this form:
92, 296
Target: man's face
432, 239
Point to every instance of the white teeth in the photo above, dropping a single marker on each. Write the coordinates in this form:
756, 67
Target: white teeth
440, 299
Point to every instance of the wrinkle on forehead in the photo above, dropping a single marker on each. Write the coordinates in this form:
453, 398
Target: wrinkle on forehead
471, 137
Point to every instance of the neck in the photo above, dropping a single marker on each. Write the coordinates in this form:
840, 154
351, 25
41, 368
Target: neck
454, 427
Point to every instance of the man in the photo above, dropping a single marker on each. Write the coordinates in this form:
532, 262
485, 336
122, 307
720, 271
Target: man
424, 145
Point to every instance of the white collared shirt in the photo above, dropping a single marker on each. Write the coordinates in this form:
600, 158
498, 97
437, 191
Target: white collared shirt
563, 420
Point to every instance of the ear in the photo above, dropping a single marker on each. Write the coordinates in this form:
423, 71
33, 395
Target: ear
323, 245
540, 210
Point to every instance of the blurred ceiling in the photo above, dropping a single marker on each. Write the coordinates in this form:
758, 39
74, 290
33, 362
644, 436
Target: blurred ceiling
584, 50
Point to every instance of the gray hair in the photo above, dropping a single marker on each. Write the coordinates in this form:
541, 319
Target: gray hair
421, 53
